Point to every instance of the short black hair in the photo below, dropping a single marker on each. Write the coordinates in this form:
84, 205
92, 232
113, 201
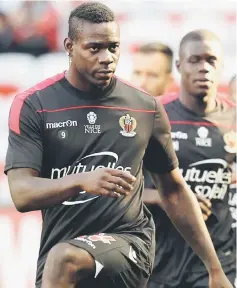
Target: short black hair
157, 47
198, 35
93, 12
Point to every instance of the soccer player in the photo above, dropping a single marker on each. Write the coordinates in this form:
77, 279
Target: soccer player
75, 142
233, 187
204, 137
152, 68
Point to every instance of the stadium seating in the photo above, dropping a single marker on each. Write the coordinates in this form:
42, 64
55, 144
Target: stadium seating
140, 23
16, 70
50, 64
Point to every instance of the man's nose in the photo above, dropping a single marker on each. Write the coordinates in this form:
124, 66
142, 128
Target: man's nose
105, 57
204, 67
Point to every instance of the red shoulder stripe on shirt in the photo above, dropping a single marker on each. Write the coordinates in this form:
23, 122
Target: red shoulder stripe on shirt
131, 85
14, 117
165, 99
96, 106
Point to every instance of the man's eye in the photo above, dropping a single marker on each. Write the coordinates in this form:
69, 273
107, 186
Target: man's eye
114, 47
212, 60
94, 49
193, 59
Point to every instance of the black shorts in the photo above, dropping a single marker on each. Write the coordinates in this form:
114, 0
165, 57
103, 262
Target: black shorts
122, 261
197, 280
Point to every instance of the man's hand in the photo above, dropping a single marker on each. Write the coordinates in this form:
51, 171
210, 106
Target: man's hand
205, 206
219, 280
107, 182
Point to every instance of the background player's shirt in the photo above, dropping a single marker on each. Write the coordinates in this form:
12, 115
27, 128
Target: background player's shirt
233, 197
59, 130
205, 148
233, 204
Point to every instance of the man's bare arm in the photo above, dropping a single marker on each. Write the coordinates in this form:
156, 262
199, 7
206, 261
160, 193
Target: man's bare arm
30, 192
182, 207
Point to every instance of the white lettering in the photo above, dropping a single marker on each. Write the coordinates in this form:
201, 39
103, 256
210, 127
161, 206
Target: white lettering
80, 166
92, 129
127, 169
211, 177
60, 172
198, 175
212, 184
86, 241
233, 205
68, 123
179, 135
214, 192
204, 142
57, 173
233, 199
176, 145
49, 125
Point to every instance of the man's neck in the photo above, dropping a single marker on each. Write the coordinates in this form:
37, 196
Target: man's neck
73, 78
81, 83
198, 104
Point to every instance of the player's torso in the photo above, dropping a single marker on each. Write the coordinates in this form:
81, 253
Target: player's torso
81, 135
206, 148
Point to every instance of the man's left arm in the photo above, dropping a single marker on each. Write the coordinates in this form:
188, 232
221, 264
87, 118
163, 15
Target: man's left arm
181, 206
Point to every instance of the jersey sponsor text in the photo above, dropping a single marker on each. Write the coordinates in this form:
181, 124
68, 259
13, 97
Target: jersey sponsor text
211, 183
79, 167
68, 123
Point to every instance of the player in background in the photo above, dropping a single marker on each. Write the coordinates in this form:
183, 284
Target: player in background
233, 194
152, 68
203, 133
75, 142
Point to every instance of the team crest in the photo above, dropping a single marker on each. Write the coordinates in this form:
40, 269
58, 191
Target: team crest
230, 141
128, 124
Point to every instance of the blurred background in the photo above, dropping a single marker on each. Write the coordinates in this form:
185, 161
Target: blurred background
31, 38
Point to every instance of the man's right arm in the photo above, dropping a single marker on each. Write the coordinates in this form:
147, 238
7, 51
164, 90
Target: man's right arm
30, 192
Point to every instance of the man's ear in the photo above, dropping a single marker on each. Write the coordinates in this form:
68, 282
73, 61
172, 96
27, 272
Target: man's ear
68, 45
177, 64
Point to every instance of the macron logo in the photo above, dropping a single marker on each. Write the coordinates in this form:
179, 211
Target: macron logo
68, 123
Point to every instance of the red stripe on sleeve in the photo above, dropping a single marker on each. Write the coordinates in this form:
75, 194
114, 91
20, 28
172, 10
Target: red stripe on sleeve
15, 112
